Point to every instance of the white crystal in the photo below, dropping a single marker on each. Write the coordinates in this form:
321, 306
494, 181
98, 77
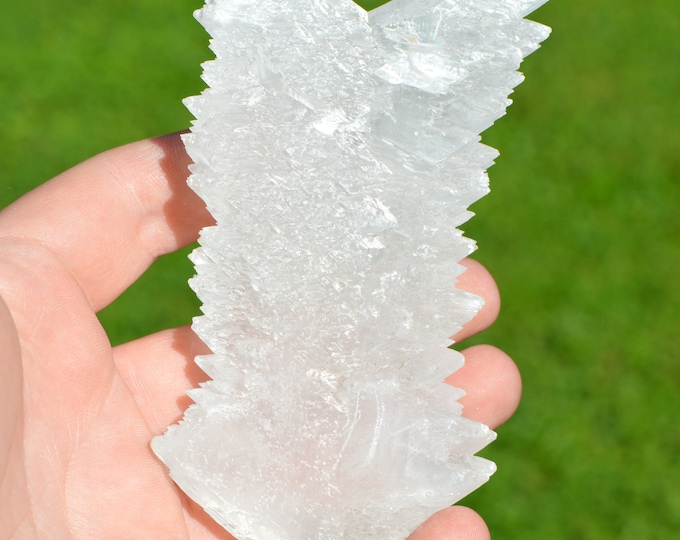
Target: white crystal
338, 151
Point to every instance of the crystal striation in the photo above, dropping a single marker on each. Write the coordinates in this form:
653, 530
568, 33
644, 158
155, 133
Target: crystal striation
338, 151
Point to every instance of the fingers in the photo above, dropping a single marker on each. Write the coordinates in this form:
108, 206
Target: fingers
108, 218
477, 279
455, 523
492, 384
159, 368
489, 377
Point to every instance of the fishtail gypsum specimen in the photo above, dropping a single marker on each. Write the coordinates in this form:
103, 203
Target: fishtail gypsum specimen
338, 151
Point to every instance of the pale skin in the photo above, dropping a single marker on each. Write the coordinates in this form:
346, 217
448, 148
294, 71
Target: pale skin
76, 415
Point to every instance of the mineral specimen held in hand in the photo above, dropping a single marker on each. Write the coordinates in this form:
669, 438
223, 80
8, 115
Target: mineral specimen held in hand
338, 151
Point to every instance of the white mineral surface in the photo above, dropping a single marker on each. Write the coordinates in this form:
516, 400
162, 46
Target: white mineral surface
338, 151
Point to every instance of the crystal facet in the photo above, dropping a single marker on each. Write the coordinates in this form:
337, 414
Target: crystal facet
338, 151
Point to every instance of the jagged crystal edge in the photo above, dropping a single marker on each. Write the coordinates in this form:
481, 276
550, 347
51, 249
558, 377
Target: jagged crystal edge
338, 151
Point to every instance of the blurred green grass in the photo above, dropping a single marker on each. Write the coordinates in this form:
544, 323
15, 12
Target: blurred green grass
581, 230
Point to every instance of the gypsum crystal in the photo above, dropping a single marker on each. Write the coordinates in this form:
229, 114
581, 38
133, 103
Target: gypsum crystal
338, 151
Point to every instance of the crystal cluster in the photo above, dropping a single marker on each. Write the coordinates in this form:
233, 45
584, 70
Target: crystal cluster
338, 151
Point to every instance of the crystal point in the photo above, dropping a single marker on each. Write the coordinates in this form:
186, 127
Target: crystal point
338, 151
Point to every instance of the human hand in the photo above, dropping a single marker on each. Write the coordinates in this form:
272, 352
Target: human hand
76, 415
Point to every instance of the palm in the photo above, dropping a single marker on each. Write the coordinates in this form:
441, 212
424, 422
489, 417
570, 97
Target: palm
88, 419
77, 416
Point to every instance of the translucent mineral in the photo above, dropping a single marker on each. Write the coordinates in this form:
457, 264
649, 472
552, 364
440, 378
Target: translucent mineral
338, 151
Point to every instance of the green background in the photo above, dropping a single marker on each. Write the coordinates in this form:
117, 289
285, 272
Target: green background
581, 230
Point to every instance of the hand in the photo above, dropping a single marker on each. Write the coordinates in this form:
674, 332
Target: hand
76, 416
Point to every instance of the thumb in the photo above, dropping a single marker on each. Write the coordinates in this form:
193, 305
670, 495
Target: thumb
13, 496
